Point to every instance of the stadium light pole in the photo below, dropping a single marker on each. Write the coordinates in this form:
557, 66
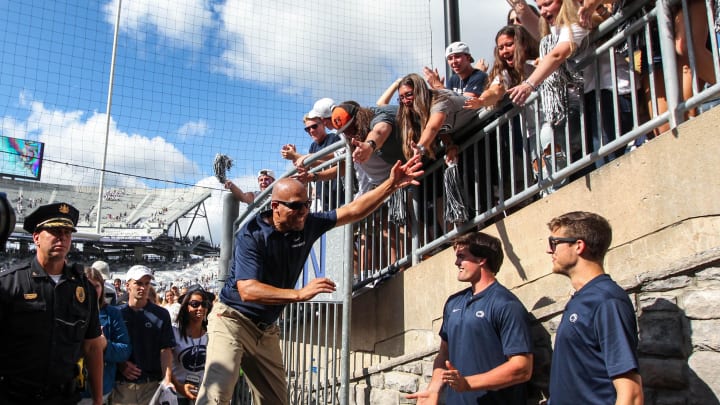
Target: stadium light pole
108, 108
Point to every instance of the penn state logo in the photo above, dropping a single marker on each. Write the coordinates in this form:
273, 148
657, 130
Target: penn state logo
480, 314
573, 318
193, 358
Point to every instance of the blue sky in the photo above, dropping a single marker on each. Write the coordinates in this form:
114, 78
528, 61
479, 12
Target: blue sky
198, 77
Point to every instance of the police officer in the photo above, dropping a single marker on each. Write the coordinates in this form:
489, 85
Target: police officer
49, 318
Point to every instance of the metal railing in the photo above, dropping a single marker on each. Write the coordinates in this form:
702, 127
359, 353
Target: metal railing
501, 165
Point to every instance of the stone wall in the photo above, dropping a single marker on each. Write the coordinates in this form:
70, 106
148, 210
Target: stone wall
662, 202
678, 311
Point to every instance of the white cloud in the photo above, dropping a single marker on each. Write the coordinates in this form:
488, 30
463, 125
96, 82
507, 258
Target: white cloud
183, 23
193, 129
74, 147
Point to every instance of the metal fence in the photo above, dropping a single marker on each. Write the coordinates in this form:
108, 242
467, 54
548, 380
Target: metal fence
504, 166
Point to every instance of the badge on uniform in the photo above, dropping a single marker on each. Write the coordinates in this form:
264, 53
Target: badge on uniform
30, 296
80, 294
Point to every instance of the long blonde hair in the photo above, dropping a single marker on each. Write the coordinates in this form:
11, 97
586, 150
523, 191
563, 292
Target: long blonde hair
412, 120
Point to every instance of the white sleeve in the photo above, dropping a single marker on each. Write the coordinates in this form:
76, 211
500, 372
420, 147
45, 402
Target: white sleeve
576, 32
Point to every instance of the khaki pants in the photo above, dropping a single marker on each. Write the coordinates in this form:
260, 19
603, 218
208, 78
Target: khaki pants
133, 394
235, 341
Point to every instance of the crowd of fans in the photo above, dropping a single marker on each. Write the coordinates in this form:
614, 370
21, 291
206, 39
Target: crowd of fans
537, 52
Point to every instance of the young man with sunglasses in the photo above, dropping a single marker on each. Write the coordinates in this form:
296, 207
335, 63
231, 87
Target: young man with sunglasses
595, 357
326, 192
269, 253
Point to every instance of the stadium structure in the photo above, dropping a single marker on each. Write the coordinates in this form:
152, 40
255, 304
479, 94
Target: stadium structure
135, 224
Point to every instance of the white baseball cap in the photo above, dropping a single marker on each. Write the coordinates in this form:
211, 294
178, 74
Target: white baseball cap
266, 172
102, 267
322, 108
137, 272
458, 47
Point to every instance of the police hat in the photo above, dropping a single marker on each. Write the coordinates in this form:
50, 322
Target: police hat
59, 215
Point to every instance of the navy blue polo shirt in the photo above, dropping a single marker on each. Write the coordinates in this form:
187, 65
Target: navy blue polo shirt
597, 339
150, 331
482, 331
271, 257
475, 83
330, 138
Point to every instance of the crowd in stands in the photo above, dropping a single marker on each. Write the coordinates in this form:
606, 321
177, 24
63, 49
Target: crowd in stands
536, 52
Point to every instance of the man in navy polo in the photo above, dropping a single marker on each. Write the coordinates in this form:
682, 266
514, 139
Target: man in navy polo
595, 357
269, 254
485, 354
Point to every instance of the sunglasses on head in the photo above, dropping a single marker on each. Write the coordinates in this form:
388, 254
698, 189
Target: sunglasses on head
310, 127
196, 304
295, 205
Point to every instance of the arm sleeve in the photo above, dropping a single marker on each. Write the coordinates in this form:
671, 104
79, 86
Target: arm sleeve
93, 329
118, 348
247, 258
616, 331
515, 329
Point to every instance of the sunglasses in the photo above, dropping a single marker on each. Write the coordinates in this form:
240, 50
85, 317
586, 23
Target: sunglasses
196, 304
553, 242
310, 127
295, 205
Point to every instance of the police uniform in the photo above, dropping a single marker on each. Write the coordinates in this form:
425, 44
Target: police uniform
44, 322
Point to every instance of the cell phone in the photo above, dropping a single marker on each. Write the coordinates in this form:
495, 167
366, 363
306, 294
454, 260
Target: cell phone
192, 379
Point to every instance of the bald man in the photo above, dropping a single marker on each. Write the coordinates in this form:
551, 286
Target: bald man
269, 254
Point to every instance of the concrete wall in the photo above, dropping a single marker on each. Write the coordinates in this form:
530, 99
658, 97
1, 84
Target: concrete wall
663, 201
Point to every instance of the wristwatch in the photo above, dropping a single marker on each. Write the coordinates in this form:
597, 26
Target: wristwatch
372, 144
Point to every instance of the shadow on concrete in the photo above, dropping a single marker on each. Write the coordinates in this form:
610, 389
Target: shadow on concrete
664, 351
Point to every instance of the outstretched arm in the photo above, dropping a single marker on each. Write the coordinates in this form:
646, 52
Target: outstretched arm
529, 20
548, 64
239, 195
400, 176
256, 291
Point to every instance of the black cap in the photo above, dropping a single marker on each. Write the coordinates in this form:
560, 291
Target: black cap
59, 215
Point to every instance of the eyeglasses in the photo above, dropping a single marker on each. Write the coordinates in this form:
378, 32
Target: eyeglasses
553, 242
196, 304
295, 205
406, 96
311, 127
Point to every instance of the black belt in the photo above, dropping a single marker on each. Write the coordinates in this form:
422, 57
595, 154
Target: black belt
263, 326
24, 391
143, 379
